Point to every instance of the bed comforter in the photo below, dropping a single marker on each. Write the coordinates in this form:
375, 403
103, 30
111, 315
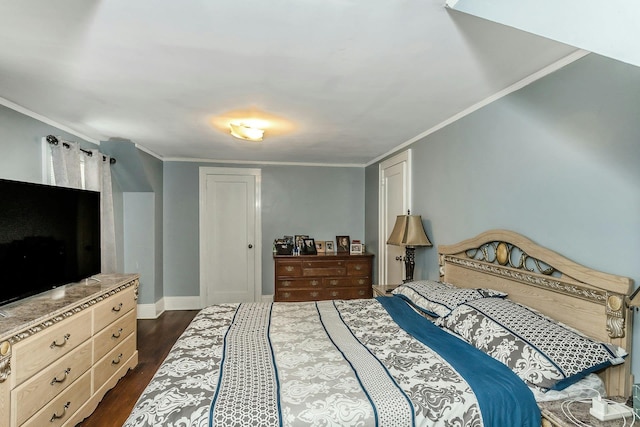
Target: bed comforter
356, 362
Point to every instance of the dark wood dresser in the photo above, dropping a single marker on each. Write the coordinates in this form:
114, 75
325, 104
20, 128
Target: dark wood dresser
323, 277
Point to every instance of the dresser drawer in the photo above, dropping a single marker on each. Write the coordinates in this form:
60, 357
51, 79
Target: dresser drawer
30, 396
58, 411
113, 308
359, 268
336, 263
324, 272
323, 268
337, 282
50, 345
113, 334
288, 269
348, 293
311, 283
109, 365
300, 295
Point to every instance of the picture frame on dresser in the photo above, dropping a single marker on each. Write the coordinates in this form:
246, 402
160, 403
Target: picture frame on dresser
343, 244
320, 247
328, 246
299, 241
309, 247
356, 249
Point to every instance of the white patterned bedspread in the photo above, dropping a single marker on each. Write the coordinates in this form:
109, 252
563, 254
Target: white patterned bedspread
344, 363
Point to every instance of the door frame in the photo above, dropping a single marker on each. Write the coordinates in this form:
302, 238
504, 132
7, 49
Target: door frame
257, 245
403, 157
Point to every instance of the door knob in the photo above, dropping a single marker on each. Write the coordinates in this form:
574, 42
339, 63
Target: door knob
250, 246
398, 258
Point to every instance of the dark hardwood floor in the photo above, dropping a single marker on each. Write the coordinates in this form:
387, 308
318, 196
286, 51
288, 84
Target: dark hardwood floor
155, 339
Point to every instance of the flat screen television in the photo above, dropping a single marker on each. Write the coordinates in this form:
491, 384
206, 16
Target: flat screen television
49, 236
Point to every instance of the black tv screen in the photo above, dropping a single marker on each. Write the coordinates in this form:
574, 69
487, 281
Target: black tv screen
49, 236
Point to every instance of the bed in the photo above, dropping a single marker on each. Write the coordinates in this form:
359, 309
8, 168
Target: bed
413, 359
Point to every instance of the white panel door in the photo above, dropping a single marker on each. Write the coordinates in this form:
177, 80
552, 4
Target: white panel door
229, 245
394, 197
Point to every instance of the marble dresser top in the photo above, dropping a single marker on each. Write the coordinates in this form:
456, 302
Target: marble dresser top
21, 317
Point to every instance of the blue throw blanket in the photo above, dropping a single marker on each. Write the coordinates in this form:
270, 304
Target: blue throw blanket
480, 370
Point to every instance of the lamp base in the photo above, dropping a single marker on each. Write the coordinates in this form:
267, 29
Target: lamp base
409, 263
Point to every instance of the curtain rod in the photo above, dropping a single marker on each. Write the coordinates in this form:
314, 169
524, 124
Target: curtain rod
54, 140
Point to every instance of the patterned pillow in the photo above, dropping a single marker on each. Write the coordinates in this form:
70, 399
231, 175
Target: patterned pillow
538, 349
437, 298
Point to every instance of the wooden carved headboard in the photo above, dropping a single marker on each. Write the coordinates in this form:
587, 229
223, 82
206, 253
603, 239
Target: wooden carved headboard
588, 300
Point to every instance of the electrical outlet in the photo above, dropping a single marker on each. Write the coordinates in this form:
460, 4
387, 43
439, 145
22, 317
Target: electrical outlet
605, 410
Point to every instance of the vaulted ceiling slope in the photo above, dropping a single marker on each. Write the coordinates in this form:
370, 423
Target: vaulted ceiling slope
606, 27
350, 79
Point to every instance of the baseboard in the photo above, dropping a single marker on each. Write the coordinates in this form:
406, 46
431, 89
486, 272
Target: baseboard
267, 298
151, 311
182, 303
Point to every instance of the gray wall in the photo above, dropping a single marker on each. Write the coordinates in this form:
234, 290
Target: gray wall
20, 141
139, 243
154, 171
556, 161
139, 207
321, 202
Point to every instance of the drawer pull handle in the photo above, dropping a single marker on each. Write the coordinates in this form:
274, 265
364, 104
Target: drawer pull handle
117, 334
358, 267
334, 294
333, 282
56, 380
117, 308
315, 283
361, 282
289, 268
287, 294
314, 294
55, 344
64, 411
361, 292
286, 283
117, 361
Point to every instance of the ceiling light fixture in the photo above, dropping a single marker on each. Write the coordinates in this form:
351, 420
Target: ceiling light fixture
244, 131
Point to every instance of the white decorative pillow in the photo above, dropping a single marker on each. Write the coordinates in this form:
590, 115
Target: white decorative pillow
437, 298
588, 387
538, 349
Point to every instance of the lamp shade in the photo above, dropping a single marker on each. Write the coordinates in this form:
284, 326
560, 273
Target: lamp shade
408, 231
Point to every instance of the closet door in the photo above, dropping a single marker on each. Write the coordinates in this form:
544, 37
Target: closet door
229, 235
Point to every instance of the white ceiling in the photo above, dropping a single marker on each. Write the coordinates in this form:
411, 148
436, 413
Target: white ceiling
352, 79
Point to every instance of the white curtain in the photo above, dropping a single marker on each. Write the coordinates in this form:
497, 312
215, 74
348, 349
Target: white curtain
92, 170
108, 222
67, 169
66, 164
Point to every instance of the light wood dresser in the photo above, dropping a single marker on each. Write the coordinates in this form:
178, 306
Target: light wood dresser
62, 350
323, 277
